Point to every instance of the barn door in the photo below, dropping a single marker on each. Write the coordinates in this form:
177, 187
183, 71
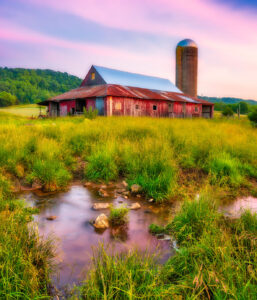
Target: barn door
55, 109
99, 105
170, 110
63, 110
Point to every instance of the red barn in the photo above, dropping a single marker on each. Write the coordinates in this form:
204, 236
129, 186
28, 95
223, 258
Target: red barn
118, 93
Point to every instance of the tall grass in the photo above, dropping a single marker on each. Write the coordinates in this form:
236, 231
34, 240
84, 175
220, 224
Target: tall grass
148, 152
216, 259
25, 260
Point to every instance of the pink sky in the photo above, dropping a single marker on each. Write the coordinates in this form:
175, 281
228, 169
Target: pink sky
138, 36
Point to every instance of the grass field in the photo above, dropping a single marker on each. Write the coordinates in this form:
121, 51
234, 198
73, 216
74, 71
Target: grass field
171, 159
28, 110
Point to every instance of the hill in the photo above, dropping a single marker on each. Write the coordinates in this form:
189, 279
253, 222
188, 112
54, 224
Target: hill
24, 86
227, 100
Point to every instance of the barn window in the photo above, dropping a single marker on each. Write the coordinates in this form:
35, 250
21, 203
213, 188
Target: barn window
137, 106
118, 106
154, 107
196, 108
92, 76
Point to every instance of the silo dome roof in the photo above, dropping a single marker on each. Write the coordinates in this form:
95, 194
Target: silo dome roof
187, 43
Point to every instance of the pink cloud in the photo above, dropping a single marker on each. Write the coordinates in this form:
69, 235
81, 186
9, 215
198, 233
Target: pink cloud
226, 37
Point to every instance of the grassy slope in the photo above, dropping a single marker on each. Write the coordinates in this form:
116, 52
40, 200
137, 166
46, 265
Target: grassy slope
29, 110
169, 158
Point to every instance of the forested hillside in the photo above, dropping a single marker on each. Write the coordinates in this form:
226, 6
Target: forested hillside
227, 100
32, 85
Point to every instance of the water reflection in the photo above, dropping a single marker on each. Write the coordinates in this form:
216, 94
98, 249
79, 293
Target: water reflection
76, 236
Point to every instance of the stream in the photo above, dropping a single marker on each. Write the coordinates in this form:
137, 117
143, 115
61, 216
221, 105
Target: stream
75, 236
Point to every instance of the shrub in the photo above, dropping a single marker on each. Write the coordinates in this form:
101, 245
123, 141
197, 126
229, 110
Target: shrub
227, 111
90, 113
253, 116
118, 216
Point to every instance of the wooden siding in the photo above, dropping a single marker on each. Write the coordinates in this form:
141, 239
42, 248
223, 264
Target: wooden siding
120, 106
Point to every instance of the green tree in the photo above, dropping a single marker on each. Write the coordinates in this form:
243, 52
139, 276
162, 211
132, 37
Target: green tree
227, 111
7, 99
243, 108
253, 116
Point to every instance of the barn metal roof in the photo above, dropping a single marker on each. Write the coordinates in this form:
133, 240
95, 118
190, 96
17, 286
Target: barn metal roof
123, 91
111, 76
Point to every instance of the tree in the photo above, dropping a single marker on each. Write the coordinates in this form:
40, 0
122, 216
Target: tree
253, 116
7, 99
227, 111
243, 107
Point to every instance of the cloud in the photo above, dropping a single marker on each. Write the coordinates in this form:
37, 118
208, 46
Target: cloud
226, 37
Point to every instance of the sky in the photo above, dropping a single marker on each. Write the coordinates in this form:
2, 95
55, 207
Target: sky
135, 35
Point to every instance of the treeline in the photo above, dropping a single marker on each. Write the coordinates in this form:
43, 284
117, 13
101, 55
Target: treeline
227, 100
242, 107
24, 86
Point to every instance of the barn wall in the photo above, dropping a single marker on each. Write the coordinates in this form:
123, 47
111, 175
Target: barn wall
193, 110
90, 103
66, 107
120, 106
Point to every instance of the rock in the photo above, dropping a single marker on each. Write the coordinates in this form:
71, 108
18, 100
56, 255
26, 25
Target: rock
135, 206
125, 193
88, 183
124, 183
51, 218
121, 191
103, 193
103, 186
98, 206
151, 200
138, 196
101, 222
135, 188
126, 197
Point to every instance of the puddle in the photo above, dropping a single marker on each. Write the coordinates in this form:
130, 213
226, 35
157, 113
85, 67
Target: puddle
76, 236
237, 207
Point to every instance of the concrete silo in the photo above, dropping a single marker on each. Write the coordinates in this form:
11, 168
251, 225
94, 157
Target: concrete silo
186, 67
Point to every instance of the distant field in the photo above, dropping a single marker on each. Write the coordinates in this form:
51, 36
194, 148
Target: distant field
29, 110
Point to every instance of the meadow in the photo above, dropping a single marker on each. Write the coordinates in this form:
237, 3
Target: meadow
171, 160
26, 110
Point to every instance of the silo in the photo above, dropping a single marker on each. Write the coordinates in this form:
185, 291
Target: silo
186, 67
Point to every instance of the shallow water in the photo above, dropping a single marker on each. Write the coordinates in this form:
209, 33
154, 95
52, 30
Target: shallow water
237, 207
75, 235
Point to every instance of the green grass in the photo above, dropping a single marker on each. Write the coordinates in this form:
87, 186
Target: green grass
25, 260
118, 216
170, 159
216, 259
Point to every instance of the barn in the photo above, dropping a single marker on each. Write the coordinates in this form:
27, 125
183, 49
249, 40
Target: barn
118, 93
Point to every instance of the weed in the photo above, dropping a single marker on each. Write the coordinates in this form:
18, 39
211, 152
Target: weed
118, 216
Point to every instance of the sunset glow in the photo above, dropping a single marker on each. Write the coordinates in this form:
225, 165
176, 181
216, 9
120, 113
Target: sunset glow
136, 36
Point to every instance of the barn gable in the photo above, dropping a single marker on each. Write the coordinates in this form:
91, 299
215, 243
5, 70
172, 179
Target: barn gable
93, 78
101, 75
